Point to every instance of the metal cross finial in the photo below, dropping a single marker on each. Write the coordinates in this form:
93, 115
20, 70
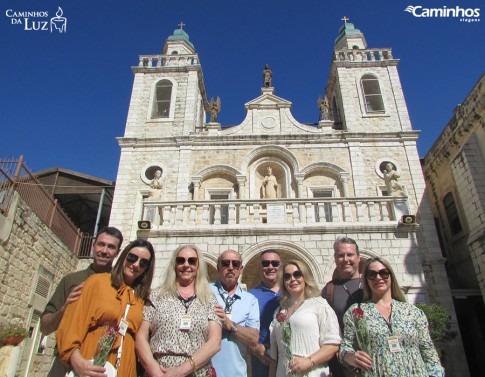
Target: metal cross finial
345, 19
181, 24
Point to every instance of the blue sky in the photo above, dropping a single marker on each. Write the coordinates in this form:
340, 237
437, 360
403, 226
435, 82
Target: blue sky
64, 97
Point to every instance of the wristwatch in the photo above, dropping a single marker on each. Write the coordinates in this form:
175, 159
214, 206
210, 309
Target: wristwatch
233, 327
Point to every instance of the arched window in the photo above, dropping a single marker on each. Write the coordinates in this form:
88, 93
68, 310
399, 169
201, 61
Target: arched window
372, 94
163, 95
452, 214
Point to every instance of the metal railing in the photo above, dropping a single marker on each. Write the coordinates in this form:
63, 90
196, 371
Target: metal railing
16, 177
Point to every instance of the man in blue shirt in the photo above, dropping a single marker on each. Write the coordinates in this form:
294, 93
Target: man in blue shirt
268, 295
239, 314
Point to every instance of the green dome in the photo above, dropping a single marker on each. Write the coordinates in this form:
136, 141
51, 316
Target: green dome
347, 29
180, 35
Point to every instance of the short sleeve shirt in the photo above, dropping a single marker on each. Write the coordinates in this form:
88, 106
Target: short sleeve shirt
65, 287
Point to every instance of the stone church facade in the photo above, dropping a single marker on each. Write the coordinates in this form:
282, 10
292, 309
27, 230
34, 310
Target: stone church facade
273, 182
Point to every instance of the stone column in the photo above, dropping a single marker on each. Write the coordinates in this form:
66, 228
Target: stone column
344, 179
196, 183
241, 181
299, 177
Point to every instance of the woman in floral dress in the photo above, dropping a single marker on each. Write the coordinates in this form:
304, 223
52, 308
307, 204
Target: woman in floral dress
305, 333
180, 331
398, 334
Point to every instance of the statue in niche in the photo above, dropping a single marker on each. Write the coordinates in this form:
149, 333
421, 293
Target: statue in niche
156, 185
214, 109
324, 108
391, 176
267, 77
157, 181
269, 185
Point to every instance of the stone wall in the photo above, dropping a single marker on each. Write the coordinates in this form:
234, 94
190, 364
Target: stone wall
30, 249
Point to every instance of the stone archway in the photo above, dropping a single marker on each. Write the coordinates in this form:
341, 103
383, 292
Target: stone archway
288, 250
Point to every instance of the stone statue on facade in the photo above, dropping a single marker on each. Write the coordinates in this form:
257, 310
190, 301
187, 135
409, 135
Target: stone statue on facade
157, 181
267, 77
324, 108
214, 109
391, 176
270, 187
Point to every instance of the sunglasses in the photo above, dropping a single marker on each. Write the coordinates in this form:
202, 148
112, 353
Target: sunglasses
236, 264
274, 263
181, 260
132, 258
296, 275
372, 275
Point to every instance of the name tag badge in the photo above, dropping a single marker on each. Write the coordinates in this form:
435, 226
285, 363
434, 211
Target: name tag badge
394, 345
123, 327
229, 316
185, 323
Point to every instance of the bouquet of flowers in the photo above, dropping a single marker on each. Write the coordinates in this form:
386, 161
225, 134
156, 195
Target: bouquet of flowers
105, 343
282, 317
361, 330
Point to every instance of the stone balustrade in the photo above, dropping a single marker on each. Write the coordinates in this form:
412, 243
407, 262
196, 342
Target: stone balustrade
363, 55
278, 211
153, 61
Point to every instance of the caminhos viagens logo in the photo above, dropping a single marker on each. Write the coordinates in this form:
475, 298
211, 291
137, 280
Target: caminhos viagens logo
457, 12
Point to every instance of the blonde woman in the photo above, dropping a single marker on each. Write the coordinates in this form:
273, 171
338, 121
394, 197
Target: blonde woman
185, 331
305, 334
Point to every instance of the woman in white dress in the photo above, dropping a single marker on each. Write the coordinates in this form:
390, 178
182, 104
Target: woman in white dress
305, 333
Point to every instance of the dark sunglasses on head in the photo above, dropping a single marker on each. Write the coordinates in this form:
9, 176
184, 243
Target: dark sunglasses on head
132, 258
296, 275
372, 275
236, 264
274, 263
181, 260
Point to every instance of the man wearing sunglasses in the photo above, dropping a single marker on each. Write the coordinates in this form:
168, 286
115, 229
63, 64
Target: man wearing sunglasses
268, 295
345, 290
239, 314
105, 248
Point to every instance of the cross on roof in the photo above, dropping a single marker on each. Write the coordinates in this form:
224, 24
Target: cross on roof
345, 19
181, 24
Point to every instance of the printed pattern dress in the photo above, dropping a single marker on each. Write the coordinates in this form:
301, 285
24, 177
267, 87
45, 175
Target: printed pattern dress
417, 357
170, 345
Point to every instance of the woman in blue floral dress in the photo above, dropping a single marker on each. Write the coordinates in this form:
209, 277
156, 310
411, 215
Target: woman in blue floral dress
398, 337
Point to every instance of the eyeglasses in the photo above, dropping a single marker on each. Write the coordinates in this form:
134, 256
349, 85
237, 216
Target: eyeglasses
132, 258
296, 275
181, 260
372, 275
236, 264
274, 263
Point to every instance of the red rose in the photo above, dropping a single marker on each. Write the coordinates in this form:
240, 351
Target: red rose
358, 312
281, 317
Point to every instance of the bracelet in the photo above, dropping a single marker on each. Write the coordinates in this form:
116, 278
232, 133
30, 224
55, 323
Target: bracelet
192, 363
311, 361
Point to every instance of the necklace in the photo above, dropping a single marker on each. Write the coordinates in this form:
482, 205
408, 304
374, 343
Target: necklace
384, 306
186, 295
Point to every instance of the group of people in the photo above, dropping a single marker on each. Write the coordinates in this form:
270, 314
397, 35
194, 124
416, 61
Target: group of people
190, 327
